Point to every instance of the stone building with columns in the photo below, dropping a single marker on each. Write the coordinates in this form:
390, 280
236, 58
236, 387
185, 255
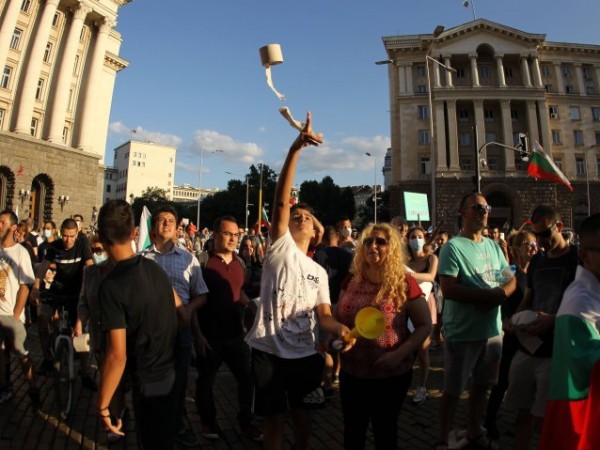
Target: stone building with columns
59, 60
497, 82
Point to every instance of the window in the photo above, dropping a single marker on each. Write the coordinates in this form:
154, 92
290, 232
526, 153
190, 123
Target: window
488, 114
424, 137
108, 188
578, 137
425, 166
466, 163
597, 136
575, 113
484, 72
25, 4
55, 19
423, 112
508, 72
16, 38
76, 65
492, 162
48, 52
422, 89
558, 162
587, 73
465, 139
596, 113
34, 127
546, 71
590, 90
514, 115
463, 115
170, 160
3, 112
169, 175
5, 82
553, 111
421, 72
70, 104
569, 89
82, 35
39, 90
549, 88
567, 72
556, 137
490, 137
65, 135
579, 166
460, 72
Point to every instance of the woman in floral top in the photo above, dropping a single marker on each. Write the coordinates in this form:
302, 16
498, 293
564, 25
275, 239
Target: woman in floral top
376, 374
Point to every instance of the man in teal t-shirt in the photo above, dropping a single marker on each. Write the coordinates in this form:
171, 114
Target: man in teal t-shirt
471, 276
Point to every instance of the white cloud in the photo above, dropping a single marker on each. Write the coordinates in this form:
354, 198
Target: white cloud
262, 129
233, 151
139, 134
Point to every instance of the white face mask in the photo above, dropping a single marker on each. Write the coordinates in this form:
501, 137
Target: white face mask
416, 244
99, 257
346, 232
47, 233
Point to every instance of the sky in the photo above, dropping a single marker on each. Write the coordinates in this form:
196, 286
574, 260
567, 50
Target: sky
195, 79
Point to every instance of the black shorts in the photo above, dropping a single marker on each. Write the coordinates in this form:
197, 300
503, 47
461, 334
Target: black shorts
280, 382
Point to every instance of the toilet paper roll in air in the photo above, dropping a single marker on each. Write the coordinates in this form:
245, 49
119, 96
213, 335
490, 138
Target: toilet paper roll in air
270, 55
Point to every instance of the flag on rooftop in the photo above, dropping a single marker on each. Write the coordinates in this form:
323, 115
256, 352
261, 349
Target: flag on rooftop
542, 167
143, 240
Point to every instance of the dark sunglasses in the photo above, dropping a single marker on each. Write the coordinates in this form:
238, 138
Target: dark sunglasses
379, 241
97, 250
479, 207
546, 233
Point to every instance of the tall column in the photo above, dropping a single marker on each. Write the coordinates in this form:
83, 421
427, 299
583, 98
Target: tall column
90, 93
33, 68
580, 81
7, 28
537, 74
507, 134
409, 79
401, 79
597, 66
479, 122
559, 78
546, 137
474, 71
449, 82
65, 74
532, 123
440, 137
453, 136
436, 74
500, 67
525, 71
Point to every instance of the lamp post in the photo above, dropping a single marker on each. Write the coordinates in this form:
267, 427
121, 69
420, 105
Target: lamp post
259, 220
200, 180
246, 212
374, 186
522, 149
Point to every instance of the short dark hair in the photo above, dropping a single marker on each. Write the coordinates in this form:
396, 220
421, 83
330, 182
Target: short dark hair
303, 206
472, 195
115, 222
544, 212
217, 223
163, 209
78, 215
68, 224
14, 220
52, 224
329, 234
590, 231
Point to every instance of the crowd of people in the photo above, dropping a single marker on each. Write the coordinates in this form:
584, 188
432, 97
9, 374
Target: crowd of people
519, 317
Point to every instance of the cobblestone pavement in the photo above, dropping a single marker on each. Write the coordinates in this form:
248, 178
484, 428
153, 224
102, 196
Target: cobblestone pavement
21, 429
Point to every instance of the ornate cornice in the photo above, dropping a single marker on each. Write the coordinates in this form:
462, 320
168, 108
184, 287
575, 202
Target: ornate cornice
115, 62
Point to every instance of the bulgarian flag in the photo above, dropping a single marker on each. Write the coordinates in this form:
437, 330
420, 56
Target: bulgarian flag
542, 167
572, 414
265, 219
143, 240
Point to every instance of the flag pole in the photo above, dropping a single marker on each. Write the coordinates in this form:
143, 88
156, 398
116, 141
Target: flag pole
473, 9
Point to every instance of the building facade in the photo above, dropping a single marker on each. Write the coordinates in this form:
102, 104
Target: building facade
186, 193
141, 165
59, 60
489, 83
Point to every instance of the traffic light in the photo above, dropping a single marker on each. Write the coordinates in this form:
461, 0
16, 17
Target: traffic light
523, 147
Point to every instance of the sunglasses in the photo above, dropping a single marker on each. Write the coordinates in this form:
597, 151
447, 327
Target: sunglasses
97, 250
379, 241
480, 207
546, 233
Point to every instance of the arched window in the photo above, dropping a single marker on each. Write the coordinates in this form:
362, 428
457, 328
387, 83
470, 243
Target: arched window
7, 188
42, 194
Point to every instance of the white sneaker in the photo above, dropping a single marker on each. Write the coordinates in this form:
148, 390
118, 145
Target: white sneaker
420, 395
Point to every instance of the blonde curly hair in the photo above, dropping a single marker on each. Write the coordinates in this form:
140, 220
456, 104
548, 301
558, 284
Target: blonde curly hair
394, 270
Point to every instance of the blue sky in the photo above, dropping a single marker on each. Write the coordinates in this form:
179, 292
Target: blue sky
195, 79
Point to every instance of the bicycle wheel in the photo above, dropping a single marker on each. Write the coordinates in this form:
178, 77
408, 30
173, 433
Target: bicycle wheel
63, 376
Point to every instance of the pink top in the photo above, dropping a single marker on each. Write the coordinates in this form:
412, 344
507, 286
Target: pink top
359, 360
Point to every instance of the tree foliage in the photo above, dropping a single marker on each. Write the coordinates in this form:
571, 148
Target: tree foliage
329, 201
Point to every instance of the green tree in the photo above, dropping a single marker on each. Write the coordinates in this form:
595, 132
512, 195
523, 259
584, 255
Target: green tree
329, 201
154, 194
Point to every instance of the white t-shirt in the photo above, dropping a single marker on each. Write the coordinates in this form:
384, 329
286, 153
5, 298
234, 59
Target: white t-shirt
292, 285
15, 270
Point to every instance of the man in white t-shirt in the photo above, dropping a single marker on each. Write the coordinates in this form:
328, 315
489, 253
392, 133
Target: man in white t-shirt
16, 274
294, 295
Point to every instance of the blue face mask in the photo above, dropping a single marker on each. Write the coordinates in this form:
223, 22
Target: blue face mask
416, 244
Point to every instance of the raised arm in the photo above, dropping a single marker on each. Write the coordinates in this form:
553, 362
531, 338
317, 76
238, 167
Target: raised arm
281, 203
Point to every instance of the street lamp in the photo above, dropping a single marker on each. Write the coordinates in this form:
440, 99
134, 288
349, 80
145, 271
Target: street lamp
246, 212
200, 180
521, 149
374, 186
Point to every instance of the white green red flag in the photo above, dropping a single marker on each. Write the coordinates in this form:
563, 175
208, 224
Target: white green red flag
572, 415
542, 167
143, 240
265, 219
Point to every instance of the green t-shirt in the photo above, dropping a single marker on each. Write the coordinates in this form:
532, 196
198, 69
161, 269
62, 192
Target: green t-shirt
477, 264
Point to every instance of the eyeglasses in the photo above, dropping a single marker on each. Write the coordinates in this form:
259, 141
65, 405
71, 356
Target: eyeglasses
97, 250
546, 233
481, 207
229, 234
379, 241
